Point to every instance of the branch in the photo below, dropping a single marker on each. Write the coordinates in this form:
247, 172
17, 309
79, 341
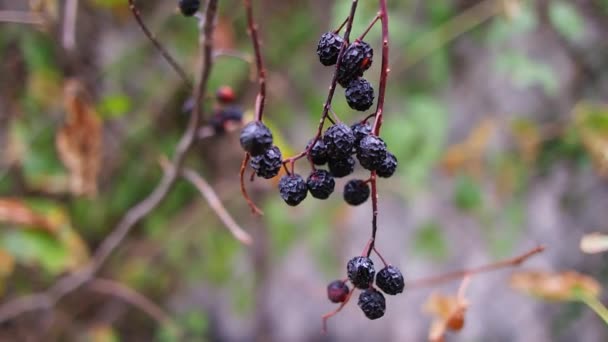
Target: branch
166, 55
75, 280
447, 277
68, 38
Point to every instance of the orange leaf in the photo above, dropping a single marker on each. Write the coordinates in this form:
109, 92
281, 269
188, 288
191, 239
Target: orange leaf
555, 286
449, 312
14, 211
468, 155
79, 140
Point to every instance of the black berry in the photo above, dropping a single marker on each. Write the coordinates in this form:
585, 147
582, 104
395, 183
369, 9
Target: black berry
293, 189
268, 164
320, 184
256, 138
189, 7
371, 152
372, 303
390, 280
225, 116
388, 167
337, 291
329, 48
356, 192
339, 140
361, 130
357, 58
360, 271
318, 153
359, 94
341, 167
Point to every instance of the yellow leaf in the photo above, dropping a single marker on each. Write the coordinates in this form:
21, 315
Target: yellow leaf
562, 286
591, 121
449, 312
79, 140
468, 155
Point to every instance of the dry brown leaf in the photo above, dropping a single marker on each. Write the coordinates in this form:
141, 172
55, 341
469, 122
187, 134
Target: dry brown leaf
79, 140
555, 286
594, 243
14, 211
449, 312
467, 156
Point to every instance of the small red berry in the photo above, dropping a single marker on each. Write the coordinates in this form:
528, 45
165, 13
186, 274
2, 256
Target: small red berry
337, 291
225, 94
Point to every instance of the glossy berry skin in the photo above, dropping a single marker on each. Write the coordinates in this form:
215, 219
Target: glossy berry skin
341, 167
268, 164
357, 58
337, 291
372, 303
329, 48
359, 94
339, 141
390, 280
361, 272
320, 184
388, 166
318, 153
371, 152
356, 192
361, 130
293, 189
189, 7
256, 138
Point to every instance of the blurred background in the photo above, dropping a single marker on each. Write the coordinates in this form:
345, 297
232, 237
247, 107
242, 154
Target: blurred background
496, 111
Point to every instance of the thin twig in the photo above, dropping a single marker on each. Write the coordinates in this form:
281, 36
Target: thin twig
216, 204
447, 277
254, 208
68, 38
152, 37
334, 312
252, 27
75, 280
21, 17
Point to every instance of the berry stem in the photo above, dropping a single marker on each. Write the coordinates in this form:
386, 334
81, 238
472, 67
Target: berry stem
380, 256
254, 209
341, 26
334, 312
166, 55
369, 27
252, 27
332, 87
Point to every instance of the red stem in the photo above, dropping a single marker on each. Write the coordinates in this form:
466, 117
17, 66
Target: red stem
369, 27
254, 208
259, 62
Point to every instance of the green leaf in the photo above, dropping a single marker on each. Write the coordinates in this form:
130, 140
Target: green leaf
114, 106
566, 20
32, 247
467, 195
429, 241
526, 72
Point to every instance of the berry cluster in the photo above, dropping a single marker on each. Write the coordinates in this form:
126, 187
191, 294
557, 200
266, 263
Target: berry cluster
361, 274
356, 59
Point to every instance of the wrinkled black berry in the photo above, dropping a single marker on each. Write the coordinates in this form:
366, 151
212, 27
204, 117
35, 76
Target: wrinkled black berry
372, 303
361, 130
390, 280
360, 271
320, 184
225, 116
329, 48
356, 192
189, 7
339, 141
359, 94
293, 189
371, 152
337, 291
256, 138
318, 153
341, 167
357, 58
388, 167
268, 164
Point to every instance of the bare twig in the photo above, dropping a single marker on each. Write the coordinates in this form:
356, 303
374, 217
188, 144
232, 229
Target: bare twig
447, 277
21, 17
252, 27
68, 38
75, 280
127, 294
334, 312
254, 208
152, 37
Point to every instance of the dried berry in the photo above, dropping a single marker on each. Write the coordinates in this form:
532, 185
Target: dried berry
359, 94
371, 152
256, 138
372, 303
293, 189
329, 48
360, 271
341, 167
268, 164
361, 130
357, 58
356, 192
337, 291
390, 280
388, 167
318, 153
339, 141
320, 184
224, 117
189, 7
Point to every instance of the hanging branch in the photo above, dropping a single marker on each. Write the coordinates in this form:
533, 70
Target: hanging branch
47, 299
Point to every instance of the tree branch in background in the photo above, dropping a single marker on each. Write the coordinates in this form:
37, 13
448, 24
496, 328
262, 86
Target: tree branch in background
166, 55
73, 281
68, 37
